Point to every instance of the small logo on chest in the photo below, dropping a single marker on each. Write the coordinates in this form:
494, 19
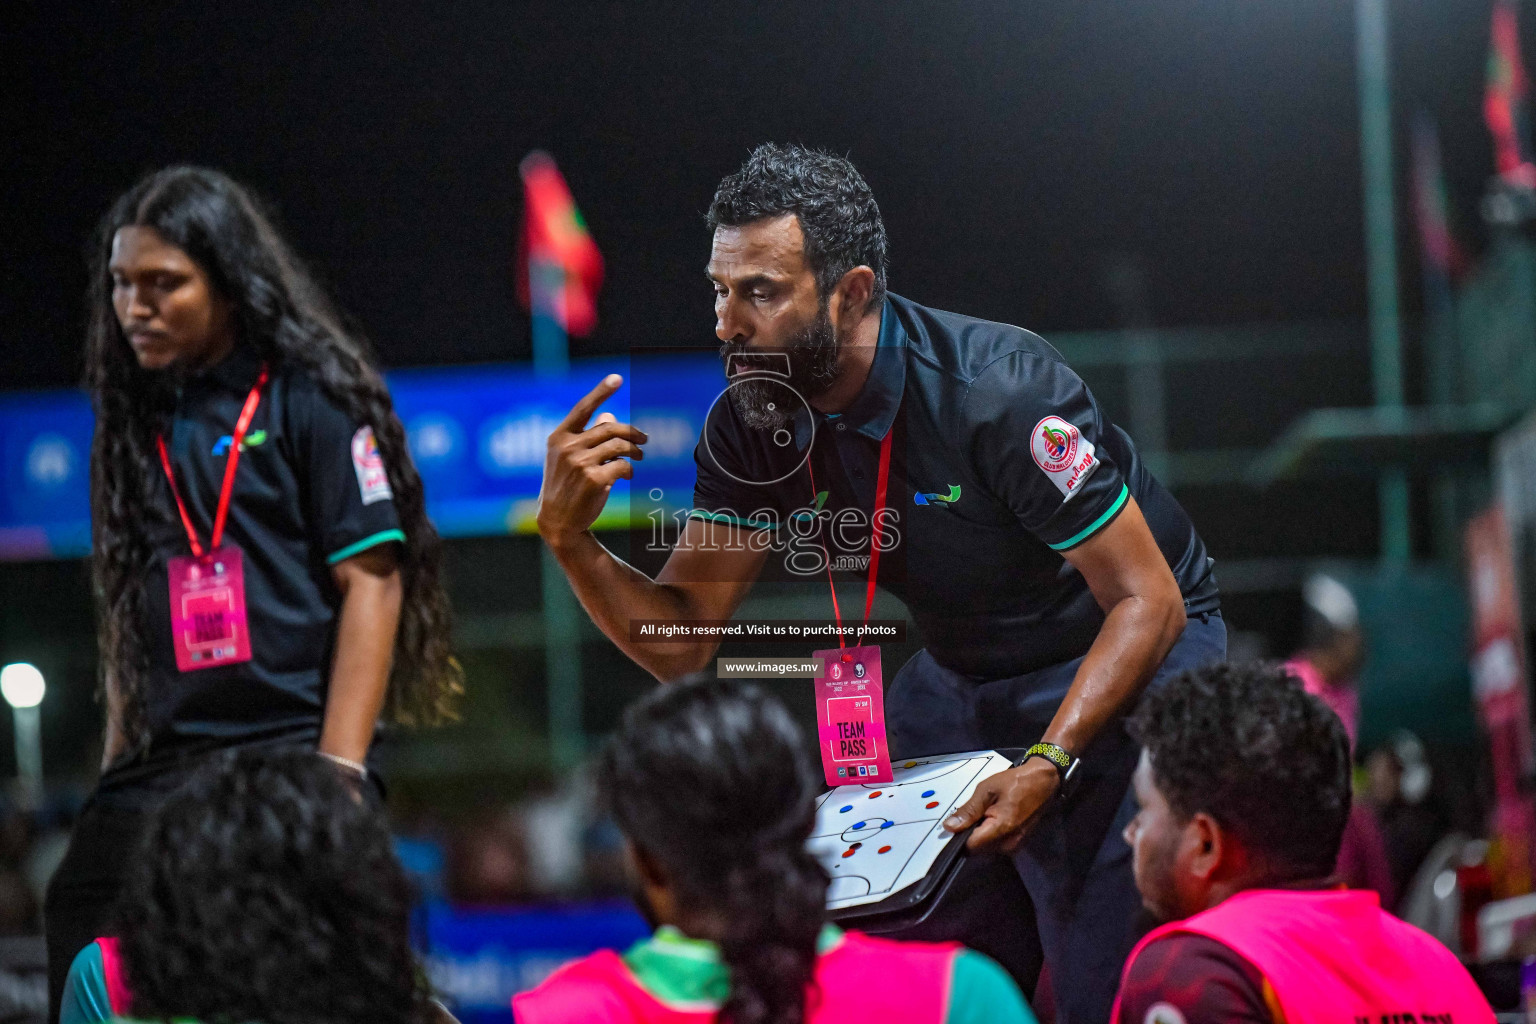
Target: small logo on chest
936, 498
254, 438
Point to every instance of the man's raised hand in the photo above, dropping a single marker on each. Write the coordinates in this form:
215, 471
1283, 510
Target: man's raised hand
581, 464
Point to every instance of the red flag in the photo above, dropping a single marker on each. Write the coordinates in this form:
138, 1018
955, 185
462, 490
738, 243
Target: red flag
555, 238
1504, 99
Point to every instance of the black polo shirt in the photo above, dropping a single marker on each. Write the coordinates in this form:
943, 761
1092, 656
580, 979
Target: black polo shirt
1001, 460
307, 495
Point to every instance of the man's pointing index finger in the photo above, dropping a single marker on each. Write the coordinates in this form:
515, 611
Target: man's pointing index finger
576, 420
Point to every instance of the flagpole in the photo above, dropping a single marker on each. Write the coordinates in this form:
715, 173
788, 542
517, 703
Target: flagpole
1441, 362
562, 616
1381, 257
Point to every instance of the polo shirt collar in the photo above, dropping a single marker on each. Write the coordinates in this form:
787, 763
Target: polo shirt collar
687, 974
874, 410
235, 372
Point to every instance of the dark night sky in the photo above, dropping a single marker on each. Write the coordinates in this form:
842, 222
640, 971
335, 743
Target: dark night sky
1014, 148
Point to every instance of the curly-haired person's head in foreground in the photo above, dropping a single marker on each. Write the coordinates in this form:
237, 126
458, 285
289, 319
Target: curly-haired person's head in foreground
1244, 783
266, 892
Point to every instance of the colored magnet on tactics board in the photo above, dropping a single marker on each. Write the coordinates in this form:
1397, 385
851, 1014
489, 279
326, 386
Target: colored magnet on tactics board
884, 849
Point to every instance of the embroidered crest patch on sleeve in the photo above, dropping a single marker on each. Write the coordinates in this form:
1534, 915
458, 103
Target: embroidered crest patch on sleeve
1063, 454
372, 478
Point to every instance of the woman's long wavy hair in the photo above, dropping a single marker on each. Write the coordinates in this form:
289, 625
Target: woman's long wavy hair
281, 312
710, 780
265, 891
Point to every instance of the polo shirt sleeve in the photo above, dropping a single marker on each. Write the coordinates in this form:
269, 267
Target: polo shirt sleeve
721, 491
981, 992
1196, 980
351, 505
1036, 440
86, 999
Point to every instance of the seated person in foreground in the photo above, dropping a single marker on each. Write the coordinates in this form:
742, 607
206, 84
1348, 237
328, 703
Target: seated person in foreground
711, 785
264, 891
1244, 789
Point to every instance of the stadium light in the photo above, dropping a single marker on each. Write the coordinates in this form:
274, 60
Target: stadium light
22, 685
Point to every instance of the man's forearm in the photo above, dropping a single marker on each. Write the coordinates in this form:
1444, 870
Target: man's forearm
1136, 636
614, 592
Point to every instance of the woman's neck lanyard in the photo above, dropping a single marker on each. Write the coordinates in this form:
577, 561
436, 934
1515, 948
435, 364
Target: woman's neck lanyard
881, 479
247, 412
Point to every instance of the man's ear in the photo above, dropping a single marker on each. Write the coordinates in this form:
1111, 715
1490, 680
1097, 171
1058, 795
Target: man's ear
1206, 846
850, 299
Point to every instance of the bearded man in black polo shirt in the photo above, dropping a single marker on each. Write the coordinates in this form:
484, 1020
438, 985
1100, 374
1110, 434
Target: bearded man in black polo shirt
1052, 577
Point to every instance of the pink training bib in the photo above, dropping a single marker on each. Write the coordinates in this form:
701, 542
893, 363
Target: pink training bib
861, 980
1335, 957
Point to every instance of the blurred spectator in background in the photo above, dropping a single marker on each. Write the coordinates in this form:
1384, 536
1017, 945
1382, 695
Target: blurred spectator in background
265, 890
1398, 777
1244, 791
488, 863
710, 784
1333, 651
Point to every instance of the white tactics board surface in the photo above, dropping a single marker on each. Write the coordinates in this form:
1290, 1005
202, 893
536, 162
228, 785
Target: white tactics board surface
875, 840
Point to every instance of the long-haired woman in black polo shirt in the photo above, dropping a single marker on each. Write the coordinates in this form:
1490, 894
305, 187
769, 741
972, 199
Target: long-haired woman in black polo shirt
264, 568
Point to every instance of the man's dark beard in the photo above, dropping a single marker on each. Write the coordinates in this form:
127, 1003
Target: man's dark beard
812, 355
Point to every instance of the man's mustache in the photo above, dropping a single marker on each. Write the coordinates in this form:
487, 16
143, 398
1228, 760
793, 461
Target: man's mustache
737, 359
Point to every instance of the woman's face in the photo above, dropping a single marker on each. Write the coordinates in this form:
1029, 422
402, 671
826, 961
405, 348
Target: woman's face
169, 311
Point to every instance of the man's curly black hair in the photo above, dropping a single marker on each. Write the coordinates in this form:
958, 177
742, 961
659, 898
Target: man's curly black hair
264, 891
1247, 745
836, 209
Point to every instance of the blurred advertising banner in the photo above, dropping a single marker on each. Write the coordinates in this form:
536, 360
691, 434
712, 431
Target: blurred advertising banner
1514, 472
477, 434
478, 959
1502, 694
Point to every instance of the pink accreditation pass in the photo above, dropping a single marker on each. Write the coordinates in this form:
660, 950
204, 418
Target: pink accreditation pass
208, 623
850, 716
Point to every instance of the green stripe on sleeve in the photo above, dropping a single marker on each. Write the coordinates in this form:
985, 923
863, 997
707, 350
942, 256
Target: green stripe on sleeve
1096, 525
371, 541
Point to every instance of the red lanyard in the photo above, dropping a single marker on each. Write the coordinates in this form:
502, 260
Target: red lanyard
241, 426
881, 478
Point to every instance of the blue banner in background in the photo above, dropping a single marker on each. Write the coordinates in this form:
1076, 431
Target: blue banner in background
45, 455
478, 959
477, 433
